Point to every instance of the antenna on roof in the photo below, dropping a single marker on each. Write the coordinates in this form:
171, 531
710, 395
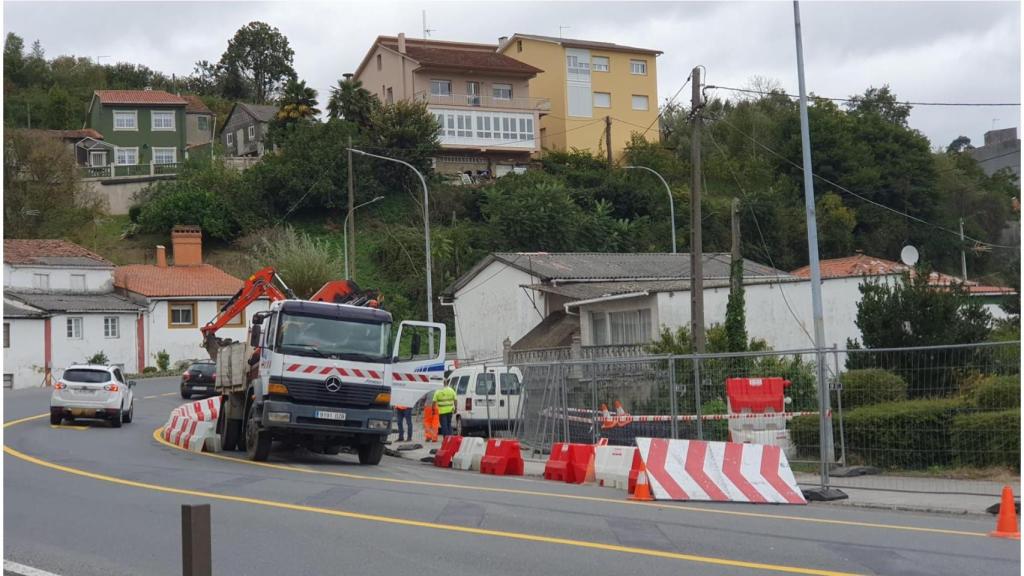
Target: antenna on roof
560, 28
426, 31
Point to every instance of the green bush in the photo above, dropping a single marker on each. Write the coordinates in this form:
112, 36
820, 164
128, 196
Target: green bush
715, 430
803, 431
98, 358
149, 369
163, 360
871, 386
307, 262
997, 393
905, 435
987, 439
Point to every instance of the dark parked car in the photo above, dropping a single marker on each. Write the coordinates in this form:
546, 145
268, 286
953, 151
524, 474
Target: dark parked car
199, 380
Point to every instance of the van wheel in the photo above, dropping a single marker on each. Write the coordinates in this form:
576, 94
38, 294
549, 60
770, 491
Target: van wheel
257, 442
370, 454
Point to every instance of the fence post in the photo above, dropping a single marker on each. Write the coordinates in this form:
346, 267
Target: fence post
595, 425
196, 550
839, 404
673, 404
696, 396
565, 406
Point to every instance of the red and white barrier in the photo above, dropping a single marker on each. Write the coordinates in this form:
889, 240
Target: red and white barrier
718, 471
469, 454
612, 465
190, 425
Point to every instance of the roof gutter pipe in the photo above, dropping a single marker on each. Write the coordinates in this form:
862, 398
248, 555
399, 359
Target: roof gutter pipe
628, 295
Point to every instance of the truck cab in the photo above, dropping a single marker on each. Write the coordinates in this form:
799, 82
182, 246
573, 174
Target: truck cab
323, 376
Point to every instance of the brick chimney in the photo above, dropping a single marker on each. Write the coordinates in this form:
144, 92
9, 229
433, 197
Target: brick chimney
161, 257
187, 245
401, 42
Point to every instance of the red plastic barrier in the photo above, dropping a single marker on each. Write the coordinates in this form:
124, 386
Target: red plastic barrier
581, 463
557, 467
444, 454
634, 471
756, 394
502, 458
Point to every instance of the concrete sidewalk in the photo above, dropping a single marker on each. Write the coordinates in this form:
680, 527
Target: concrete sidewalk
886, 492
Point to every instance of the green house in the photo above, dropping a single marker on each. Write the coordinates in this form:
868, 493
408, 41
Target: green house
144, 132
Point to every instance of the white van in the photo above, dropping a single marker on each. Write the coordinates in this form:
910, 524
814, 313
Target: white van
486, 393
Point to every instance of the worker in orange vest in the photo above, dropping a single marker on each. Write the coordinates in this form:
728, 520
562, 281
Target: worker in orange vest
404, 416
430, 423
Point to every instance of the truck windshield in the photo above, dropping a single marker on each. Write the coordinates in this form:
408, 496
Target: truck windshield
333, 338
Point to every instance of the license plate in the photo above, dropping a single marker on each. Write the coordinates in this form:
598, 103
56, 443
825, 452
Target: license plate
330, 415
85, 390
201, 388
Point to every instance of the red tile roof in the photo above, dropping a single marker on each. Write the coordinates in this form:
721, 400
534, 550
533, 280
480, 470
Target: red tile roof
195, 105
139, 97
863, 265
176, 281
41, 252
77, 134
480, 57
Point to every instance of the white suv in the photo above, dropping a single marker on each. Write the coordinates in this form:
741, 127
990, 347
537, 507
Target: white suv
93, 391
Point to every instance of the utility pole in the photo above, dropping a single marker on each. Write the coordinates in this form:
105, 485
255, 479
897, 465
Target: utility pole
963, 254
350, 229
825, 492
736, 256
696, 244
608, 138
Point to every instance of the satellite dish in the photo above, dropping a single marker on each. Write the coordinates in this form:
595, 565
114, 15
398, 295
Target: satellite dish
909, 255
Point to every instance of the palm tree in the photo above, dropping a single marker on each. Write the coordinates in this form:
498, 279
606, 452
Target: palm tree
298, 102
350, 101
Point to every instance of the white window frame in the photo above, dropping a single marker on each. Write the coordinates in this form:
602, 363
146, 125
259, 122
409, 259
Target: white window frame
638, 67
596, 64
73, 327
439, 84
199, 120
154, 114
111, 327
124, 113
231, 139
174, 155
501, 86
646, 101
609, 100
41, 281
252, 132
92, 156
78, 277
117, 156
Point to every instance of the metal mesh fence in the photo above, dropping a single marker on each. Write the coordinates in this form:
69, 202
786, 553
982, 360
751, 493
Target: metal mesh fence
919, 417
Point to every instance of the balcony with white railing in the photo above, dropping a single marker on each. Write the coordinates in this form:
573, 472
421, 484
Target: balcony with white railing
128, 171
467, 127
484, 101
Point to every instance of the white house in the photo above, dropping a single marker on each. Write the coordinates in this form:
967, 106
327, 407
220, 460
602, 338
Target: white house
60, 309
180, 297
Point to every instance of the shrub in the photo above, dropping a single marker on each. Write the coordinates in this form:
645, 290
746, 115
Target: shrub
987, 439
187, 205
163, 360
997, 393
803, 431
98, 358
307, 262
715, 430
134, 212
908, 435
149, 370
871, 386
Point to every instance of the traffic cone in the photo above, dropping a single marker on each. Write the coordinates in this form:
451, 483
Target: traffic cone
606, 417
1006, 525
643, 490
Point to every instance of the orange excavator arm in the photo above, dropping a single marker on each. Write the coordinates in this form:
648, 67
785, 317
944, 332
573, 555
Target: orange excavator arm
263, 283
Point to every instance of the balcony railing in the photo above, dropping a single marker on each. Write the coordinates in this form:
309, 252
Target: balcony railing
128, 170
485, 101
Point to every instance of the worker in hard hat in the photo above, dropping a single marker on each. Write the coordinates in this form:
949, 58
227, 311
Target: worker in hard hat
444, 404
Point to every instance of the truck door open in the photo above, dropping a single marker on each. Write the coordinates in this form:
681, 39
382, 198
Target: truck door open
414, 371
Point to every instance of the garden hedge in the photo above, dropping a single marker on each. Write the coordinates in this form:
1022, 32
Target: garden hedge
997, 393
871, 386
987, 439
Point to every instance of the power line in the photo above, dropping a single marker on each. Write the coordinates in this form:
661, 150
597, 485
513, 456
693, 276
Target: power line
861, 197
669, 103
763, 93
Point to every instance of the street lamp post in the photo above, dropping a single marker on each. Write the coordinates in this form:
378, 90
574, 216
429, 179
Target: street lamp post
426, 232
671, 204
346, 228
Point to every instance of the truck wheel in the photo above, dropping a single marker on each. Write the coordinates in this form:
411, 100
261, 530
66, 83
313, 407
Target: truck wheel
332, 450
370, 454
231, 438
257, 442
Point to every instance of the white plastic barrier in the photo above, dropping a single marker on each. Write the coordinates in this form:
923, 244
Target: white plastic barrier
612, 465
191, 425
778, 438
470, 451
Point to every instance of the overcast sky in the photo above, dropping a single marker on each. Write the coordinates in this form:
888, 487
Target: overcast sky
941, 51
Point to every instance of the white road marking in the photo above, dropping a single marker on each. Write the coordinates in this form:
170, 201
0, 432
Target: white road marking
23, 570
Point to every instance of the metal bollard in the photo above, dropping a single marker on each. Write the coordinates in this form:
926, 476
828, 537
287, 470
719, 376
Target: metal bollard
196, 548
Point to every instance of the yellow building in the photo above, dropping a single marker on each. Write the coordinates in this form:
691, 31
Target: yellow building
589, 83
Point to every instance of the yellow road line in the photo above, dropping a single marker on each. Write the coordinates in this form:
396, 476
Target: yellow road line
68, 427
430, 525
159, 438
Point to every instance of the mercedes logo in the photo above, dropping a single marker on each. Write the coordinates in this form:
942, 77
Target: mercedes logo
333, 384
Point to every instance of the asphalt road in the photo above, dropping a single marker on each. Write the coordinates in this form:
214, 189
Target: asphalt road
84, 501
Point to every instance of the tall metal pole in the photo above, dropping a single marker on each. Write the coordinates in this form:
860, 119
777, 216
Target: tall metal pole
671, 204
696, 244
608, 138
963, 254
426, 233
350, 228
812, 250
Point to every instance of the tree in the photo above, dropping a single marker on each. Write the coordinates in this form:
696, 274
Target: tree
43, 195
959, 144
259, 55
881, 102
407, 131
350, 101
14, 58
62, 112
298, 103
532, 212
836, 223
735, 313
